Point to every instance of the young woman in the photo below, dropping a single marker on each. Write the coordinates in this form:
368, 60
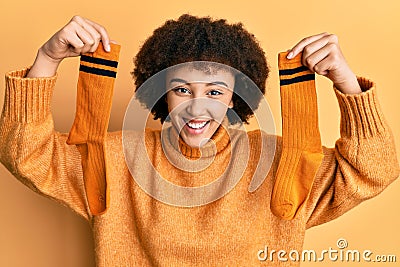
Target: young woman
137, 229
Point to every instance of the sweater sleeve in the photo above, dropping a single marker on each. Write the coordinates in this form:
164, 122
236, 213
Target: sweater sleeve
32, 150
363, 162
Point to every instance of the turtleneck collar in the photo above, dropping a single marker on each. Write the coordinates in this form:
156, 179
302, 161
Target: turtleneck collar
220, 140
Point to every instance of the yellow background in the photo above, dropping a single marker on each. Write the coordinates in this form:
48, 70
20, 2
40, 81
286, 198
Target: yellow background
35, 231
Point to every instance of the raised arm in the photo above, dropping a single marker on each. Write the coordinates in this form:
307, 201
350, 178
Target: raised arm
30, 148
364, 161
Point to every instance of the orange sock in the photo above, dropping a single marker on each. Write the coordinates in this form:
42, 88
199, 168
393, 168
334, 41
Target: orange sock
97, 74
301, 142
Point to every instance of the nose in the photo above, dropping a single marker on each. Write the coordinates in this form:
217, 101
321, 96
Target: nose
196, 106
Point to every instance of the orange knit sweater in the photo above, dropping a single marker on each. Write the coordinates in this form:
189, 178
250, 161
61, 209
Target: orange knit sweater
138, 230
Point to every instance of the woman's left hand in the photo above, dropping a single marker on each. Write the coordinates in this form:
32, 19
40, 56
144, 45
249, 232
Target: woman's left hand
322, 54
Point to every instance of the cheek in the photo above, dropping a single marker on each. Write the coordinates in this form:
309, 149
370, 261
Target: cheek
176, 106
217, 109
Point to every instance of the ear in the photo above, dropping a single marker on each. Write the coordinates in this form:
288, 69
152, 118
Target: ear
230, 104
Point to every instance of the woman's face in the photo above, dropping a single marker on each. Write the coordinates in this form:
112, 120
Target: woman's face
198, 101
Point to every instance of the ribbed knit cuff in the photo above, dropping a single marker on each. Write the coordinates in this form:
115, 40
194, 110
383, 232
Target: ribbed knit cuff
27, 99
361, 114
284, 63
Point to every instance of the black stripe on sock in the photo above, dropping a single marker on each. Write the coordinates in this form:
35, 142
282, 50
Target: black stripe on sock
303, 78
97, 71
100, 61
293, 71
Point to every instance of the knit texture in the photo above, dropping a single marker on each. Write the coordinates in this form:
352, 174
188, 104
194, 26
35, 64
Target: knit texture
95, 89
301, 142
138, 230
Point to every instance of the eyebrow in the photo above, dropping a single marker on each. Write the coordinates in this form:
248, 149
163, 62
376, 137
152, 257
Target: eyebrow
177, 80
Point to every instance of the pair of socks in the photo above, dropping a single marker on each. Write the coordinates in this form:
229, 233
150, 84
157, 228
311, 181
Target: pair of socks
301, 142
97, 74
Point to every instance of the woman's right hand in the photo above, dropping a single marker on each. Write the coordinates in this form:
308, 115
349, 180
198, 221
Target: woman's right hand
79, 36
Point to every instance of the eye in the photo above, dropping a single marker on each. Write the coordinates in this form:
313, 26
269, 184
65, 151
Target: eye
181, 90
214, 93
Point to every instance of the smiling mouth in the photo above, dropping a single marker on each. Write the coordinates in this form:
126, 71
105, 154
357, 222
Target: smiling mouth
196, 126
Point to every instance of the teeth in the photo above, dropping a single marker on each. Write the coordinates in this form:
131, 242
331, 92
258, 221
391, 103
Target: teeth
197, 125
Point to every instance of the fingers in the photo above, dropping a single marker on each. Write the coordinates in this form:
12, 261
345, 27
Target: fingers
79, 36
320, 52
314, 46
303, 43
90, 35
319, 61
81, 39
103, 34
